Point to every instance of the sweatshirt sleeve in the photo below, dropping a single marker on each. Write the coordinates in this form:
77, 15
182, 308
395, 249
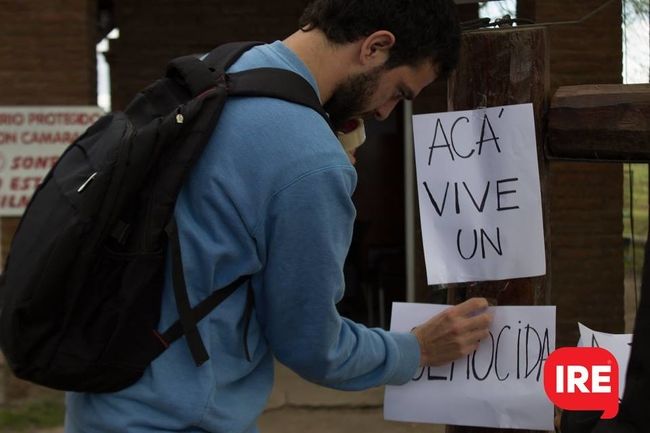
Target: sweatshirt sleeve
307, 232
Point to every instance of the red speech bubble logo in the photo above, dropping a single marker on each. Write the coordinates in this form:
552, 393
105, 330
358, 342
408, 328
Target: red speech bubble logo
583, 378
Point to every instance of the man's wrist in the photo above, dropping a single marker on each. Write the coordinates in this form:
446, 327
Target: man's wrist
415, 332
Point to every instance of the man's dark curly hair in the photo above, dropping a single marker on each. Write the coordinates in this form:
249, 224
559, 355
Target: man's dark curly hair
423, 29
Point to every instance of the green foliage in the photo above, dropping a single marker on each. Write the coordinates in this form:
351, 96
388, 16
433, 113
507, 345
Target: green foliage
28, 416
638, 175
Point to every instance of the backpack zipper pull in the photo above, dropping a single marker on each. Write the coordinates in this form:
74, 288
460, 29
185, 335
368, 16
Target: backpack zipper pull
179, 116
86, 183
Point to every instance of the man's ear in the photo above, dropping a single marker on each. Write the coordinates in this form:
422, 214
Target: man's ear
375, 48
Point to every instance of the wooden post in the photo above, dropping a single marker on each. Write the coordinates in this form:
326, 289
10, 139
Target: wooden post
504, 67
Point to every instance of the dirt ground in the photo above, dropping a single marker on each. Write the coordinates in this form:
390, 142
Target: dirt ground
297, 406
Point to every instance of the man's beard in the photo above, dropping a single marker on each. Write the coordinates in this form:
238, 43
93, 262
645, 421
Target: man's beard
351, 98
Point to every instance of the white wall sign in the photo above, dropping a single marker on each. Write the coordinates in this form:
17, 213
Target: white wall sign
618, 345
501, 385
479, 194
31, 141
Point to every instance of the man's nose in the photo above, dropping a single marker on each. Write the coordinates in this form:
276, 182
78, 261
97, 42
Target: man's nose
382, 112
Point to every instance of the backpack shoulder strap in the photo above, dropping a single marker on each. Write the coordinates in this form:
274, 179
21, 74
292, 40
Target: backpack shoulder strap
223, 57
279, 84
201, 75
190, 316
270, 82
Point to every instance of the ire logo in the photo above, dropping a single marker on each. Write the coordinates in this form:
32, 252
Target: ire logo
583, 378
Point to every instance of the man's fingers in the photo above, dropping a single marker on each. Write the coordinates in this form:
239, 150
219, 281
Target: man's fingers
479, 335
481, 322
473, 340
455, 332
463, 326
471, 306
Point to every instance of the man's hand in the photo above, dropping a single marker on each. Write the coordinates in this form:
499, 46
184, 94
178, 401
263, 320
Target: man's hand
453, 333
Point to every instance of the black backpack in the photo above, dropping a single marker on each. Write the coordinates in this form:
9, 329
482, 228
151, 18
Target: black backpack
80, 295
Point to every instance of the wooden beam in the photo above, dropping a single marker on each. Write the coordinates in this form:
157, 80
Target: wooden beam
600, 122
503, 67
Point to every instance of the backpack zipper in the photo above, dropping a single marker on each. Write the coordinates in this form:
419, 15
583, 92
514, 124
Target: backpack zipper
87, 182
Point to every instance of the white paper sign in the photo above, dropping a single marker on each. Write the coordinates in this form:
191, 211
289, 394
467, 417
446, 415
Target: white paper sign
501, 385
618, 345
479, 194
31, 141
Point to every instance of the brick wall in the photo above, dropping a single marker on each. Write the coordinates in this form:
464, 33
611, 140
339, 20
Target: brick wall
154, 31
586, 199
47, 54
47, 57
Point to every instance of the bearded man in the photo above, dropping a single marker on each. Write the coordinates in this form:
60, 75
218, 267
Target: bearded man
270, 197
